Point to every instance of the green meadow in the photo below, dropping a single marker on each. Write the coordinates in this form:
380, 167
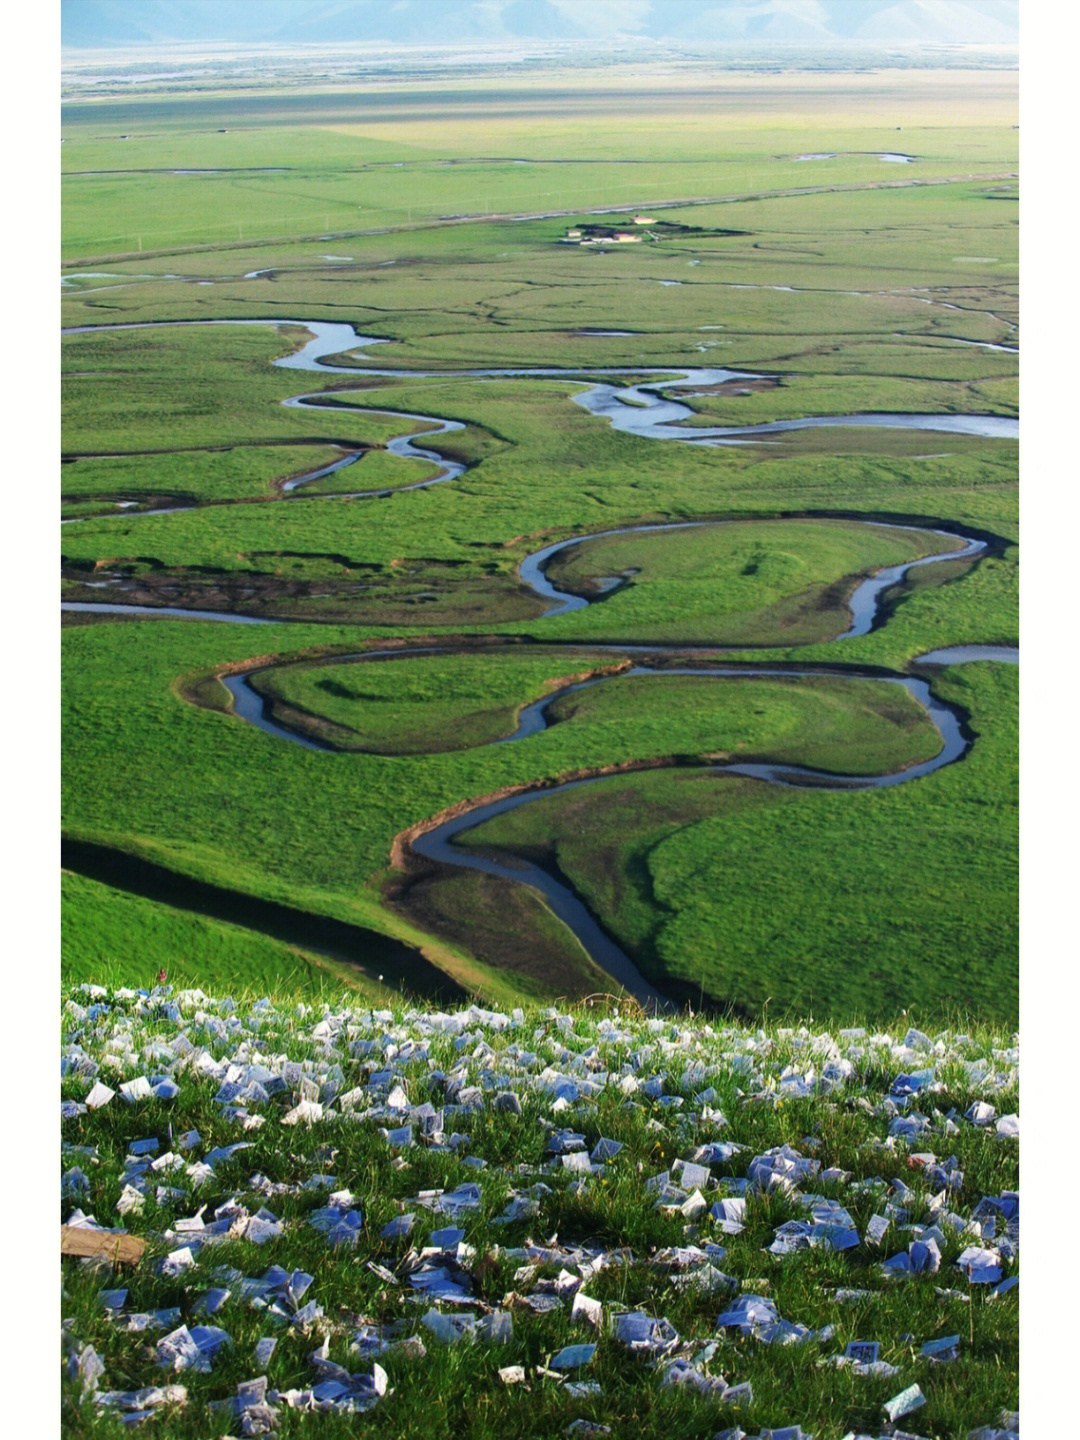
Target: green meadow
390, 708
765, 583
773, 892
848, 284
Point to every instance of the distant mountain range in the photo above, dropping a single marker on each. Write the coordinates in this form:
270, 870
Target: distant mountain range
92, 24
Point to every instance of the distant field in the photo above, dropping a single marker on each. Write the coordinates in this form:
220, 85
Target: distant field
301, 164
849, 283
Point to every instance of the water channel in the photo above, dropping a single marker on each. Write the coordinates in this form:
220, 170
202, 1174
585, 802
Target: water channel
637, 409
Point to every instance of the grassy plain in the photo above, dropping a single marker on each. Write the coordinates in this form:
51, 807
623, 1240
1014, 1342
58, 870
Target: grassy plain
355, 159
721, 885
860, 284
421, 706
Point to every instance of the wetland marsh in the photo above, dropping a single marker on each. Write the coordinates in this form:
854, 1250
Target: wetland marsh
513, 453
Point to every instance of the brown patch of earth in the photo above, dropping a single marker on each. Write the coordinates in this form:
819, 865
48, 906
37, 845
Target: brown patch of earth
502, 924
365, 596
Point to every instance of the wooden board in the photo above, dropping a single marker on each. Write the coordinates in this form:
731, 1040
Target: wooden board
121, 1249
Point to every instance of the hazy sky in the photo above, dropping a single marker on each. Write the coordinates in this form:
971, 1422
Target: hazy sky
90, 23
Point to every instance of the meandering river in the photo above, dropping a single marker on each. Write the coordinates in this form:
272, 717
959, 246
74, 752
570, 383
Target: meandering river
638, 409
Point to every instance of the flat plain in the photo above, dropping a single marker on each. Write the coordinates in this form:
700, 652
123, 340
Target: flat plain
820, 248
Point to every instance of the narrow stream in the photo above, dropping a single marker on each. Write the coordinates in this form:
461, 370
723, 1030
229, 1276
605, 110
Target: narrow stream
632, 409
636, 409
438, 844
864, 602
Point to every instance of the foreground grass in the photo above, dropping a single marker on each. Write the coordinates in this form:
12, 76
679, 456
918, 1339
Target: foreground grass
877, 1123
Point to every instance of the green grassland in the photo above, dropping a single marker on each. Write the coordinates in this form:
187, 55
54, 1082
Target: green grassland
341, 162
825, 898
242, 472
725, 886
421, 706
517, 295
831, 724
541, 468
233, 773
771, 584
211, 820
193, 386
114, 937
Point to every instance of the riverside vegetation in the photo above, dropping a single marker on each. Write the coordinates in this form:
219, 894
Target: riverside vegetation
834, 286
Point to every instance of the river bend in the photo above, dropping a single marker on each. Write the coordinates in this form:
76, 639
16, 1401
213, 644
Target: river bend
637, 409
